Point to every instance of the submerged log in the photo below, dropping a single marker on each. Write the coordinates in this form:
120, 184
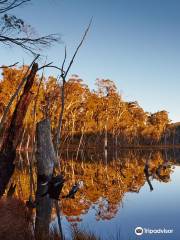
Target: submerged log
14, 132
45, 156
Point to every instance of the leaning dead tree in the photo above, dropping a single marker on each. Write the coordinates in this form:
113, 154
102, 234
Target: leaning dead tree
14, 132
22, 82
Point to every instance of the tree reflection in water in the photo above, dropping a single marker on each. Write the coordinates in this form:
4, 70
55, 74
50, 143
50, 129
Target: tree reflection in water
104, 185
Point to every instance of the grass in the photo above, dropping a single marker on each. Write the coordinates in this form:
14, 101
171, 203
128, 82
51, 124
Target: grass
14, 220
78, 234
15, 224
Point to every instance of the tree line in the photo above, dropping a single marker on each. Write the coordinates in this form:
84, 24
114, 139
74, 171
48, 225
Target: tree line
88, 114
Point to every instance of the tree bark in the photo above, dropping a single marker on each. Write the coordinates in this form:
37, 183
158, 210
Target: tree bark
14, 132
46, 157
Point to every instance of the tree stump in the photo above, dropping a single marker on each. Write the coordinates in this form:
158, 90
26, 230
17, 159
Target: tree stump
45, 156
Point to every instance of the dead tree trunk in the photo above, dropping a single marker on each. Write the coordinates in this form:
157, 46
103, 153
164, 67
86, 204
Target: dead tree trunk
45, 156
14, 132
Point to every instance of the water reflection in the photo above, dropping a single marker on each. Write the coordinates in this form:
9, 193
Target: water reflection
140, 188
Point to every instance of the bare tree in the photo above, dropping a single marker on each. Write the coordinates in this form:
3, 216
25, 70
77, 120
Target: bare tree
63, 77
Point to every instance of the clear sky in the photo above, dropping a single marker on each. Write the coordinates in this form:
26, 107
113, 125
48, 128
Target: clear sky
135, 43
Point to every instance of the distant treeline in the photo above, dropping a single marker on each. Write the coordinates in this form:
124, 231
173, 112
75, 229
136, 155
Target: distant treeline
90, 116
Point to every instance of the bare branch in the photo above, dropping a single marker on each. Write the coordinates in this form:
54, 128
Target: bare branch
63, 76
31, 44
45, 65
65, 55
12, 65
7, 5
78, 47
51, 66
14, 31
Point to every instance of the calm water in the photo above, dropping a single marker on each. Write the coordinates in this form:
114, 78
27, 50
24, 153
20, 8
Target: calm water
139, 189
157, 209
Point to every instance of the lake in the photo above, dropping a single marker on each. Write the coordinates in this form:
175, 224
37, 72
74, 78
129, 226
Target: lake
139, 189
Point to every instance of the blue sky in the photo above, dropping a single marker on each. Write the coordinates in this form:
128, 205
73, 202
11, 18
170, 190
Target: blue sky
135, 43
